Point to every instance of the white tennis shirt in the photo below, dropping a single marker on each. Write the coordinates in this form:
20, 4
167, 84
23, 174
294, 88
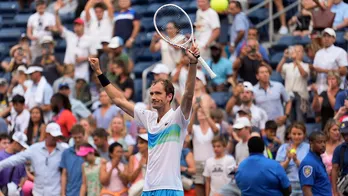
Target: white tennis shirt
165, 143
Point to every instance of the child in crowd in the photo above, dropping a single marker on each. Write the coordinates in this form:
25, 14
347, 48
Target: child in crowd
4, 141
272, 142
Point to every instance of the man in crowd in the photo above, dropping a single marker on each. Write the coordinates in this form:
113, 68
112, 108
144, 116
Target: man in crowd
100, 138
239, 25
19, 115
116, 53
242, 127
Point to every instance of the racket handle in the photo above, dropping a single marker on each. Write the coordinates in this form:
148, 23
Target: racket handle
206, 67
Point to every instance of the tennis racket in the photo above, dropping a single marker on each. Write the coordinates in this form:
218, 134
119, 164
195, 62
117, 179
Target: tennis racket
180, 32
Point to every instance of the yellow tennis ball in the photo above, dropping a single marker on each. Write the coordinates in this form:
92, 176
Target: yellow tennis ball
219, 5
293, 151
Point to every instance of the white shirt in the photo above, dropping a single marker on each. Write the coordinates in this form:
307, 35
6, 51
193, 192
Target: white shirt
294, 82
19, 122
332, 57
166, 140
258, 116
39, 23
218, 170
170, 55
202, 146
19, 90
182, 79
206, 22
98, 30
242, 151
78, 47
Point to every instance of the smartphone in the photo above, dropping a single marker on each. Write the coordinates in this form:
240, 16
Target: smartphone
253, 51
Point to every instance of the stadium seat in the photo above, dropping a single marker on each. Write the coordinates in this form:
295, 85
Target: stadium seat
275, 59
304, 40
11, 34
151, 9
140, 67
146, 56
3, 50
284, 42
138, 90
221, 98
139, 9
258, 15
147, 24
9, 7
20, 20
275, 76
311, 127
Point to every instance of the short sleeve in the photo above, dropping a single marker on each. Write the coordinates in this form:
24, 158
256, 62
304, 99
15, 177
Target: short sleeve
214, 20
239, 23
63, 161
181, 117
207, 172
283, 178
228, 67
142, 116
342, 58
31, 21
307, 174
264, 53
48, 93
281, 154
340, 100
336, 155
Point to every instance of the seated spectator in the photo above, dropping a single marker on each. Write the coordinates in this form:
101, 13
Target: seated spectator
52, 65
82, 91
106, 112
295, 75
218, 167
127, 23
291, 155
302, 23
341, 16
36, 127
240, 24
269, 174
116, 53
19, 83
123, 80
188, 169
18, 58
325, 102
113, 175
200, 94
20, 116
67, 77
91, 185
171, 55
271, 141
100, 138
4, 141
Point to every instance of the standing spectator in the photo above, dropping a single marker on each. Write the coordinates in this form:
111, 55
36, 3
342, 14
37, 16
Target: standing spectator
329, 58
39, 25
341, 18
18, 58
171, 55
71, 164
188, 169
100, 138
17, 174
19, 83
242, 127
123, 80
90, 170
270, 96
272, 142
89, 125
61, 107
98, 16
106, 112
19, 115
36, 126
240, 24
39, 93
68, 77
116, 53
207, 27
103, 55
4, 141
200, 94
295, 75
269, 175
127, 23
79, 46
44, 157
313, 177
290, 155
179, 74
325, 101
218, 167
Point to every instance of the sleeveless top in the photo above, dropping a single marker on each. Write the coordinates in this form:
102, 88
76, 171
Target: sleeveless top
92, 176
141, 176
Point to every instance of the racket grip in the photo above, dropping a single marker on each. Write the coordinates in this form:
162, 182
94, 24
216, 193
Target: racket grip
206, 67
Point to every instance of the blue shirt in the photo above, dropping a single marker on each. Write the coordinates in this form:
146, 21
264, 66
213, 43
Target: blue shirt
336, 158
104, 121
268, 178
262, 50
312, 173
341, 13
340, 97
292, 170
124, 23
240, 23
222, 69
73, 164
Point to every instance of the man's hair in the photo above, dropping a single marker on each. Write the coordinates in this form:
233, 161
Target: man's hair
168, 86
113, 146
237, 3
64, 99
77, 129
219, 139
18, 99
256, 145
100, 132
263, 65
4, 136
271, 125
254, 28
100, 5
314, 135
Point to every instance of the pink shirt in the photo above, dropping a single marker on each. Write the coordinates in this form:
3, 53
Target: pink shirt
327, 160
115, 184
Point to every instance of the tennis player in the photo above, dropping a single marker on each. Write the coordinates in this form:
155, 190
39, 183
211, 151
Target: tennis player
166, 128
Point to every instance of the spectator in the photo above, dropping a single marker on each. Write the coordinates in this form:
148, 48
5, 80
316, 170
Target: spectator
269, 174
207, 27
248, 62
113, 175
24, 42
280, 7
295, 75
104, 55
90, 170
79, 46
98, 16
200, 94
242, 126
240, 24
4, 102
20, 116
290, 155
179, 74
72, 177
301, 23
82, 90
116, 53
68, 77
341, 15
106, 112
39, 93
100, 138
325, 102
202, 136
329, 58
36, 126
52, 65
39, 25
112, 71
18, 58
123, 80
333, 139
44, 157
19, 83
16, 175
4, 141
68, 8
89, 125
171, 55
271, 141
313, 178
188, 169
218, 167
137, 166
127, 23
341, 99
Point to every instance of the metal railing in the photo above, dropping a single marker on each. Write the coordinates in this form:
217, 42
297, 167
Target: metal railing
144, 78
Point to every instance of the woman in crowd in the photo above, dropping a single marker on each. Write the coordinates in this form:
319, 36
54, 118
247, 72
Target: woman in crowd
325, 102
113, 175
90, 170
291, 154
123, 80
200, 94
188, 169
36, 128
19, 83
19, 57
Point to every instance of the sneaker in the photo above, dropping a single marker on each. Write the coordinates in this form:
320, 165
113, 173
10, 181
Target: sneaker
283, 30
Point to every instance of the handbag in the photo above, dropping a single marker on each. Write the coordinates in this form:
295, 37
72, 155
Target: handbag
186, 183
5, 189
322, 18
342, 181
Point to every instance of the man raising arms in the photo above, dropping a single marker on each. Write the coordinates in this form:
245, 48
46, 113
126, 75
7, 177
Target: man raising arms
166, 128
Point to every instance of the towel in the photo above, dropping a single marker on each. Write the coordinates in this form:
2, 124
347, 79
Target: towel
38, 94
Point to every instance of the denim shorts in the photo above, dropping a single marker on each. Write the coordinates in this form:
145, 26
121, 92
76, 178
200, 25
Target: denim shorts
164, 192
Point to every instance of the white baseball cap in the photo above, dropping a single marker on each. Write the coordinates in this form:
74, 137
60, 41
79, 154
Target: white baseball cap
115, 42
47, 39
160, 68
242, 122
144, 136
200, 75
21, 138
22, 68
54, 129
330, 31
248, 86
33, 69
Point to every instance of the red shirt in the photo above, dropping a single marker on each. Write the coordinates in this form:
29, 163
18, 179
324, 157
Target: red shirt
66, 120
